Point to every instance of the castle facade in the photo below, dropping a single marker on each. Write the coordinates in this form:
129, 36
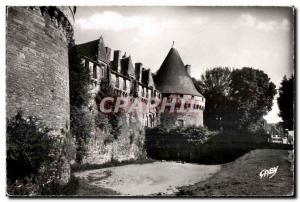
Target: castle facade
38, 43
172, 83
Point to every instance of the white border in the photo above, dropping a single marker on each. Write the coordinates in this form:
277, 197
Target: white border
3, 4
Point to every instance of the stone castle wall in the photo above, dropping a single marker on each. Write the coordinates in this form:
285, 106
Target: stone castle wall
103, 147
37, 69
37, 73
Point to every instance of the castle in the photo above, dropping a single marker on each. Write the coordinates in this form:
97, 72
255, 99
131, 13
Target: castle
37, 81
172, 81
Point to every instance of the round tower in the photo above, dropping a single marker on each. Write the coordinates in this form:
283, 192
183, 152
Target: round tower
175, 85
37, 69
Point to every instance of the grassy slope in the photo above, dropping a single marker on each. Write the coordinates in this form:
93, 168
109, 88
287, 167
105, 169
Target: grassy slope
241, 177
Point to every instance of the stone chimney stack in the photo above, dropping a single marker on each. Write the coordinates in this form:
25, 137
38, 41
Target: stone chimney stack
116, 61
138, 71
146, 73
188, 69
108, 52
124, 65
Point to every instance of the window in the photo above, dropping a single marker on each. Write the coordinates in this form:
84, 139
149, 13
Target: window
101, 72
181, 95
94, 71
124, 84
117, 82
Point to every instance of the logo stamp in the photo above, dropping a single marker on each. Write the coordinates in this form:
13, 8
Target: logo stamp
268, 173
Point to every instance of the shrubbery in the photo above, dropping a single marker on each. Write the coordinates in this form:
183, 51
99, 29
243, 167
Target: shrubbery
175, 144
32, 156
199, 145
81, 127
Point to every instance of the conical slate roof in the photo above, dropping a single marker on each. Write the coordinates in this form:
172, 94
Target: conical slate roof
172, 77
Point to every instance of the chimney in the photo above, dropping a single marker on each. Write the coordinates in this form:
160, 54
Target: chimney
108, 52
124, 66
188, 69
138, 71
146, 76
116, 61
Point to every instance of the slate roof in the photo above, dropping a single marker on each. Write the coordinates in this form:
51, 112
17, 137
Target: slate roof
172, 78
94, 50
127, 67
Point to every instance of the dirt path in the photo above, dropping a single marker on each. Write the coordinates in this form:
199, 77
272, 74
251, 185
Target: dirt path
156, 178
241, 177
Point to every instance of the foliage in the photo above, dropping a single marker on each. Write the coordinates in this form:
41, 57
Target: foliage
106, 90
33, 156
79, 80
286, 102
251, 96
68, 146
190, 134
80, 116
29, 146
235, 98
177, 143
82, 121
29, 188
102, 121
199, 145
215, 86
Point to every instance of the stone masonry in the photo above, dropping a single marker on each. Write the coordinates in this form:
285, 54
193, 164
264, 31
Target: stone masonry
37, 69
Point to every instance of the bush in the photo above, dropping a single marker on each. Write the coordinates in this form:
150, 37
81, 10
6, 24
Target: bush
81, 127
176, 144
32, 155
199, 145
29, 145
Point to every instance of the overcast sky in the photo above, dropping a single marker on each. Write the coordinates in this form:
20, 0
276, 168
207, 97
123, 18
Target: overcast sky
258, 37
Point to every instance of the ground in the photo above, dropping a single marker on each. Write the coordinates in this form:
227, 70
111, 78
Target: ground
147, 179
240, 177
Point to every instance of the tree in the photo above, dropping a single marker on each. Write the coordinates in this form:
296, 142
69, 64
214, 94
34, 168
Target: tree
251, 96
235, 98
215, 87
286, 102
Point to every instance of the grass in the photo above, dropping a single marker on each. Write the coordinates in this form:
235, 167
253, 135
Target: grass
241, 177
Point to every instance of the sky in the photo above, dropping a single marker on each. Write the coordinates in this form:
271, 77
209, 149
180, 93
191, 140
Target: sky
206, 37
